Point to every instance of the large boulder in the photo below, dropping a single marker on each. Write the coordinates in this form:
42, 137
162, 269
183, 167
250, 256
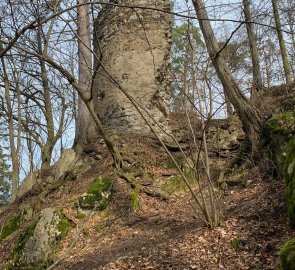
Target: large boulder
27, 184
38, 241
66, 163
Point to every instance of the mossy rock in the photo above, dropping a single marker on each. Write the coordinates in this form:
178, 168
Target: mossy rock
13, 261
287, 255
63, 226
39, 241
282, 122
176, 185
289, 174
97, 195
173, 185
12, 225
134, 197
277, 133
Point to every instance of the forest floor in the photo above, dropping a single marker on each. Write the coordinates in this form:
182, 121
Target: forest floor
170, 235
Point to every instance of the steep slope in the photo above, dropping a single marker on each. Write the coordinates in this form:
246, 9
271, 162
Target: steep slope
142, 218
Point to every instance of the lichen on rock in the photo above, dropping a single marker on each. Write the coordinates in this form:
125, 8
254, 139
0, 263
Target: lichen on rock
37, 243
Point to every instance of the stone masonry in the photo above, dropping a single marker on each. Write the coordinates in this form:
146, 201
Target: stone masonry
133, 48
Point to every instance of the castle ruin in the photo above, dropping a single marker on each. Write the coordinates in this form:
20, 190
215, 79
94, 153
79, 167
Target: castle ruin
132, 44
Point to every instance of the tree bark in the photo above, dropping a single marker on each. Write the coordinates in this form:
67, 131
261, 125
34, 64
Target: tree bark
14, 147
282, 43
247, 113
257, 79
85, 132
52, 136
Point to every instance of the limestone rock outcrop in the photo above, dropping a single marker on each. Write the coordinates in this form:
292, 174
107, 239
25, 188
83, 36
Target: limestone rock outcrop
132, 46
67, 162
38, 241
38, 247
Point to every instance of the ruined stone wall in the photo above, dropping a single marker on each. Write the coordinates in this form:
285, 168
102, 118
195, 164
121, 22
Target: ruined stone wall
133, 46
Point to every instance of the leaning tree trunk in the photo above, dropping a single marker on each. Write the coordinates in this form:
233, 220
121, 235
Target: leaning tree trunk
282, 43
257, 79
246, 111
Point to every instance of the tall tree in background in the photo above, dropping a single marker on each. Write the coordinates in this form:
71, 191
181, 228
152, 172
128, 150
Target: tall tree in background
43, 41
5, 180
14, 134
247, 113
186, 38
282, 43
85, 130
257, 79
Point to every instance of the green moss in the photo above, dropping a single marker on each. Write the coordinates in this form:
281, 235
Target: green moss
86, 231
13, 261
80, 216
235, 244
11, 226
106, 213
98, 227
287, 255
278, 130
173, 185
134, 197
97, 196
171, 165
282, 122
176, 184
289, 174
63, 226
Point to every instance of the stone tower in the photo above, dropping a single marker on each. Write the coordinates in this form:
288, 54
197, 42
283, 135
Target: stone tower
133, 48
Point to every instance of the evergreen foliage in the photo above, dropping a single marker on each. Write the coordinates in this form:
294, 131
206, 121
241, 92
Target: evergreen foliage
183, 37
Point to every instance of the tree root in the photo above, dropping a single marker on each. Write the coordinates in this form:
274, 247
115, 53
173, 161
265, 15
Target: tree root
151, 193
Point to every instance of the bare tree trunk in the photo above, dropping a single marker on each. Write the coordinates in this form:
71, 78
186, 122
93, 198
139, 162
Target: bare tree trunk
46, 150
257, 79
85, 125
267, 68
282, 43
229, 108
186, 75
118, 160
248, 114
30, 150
291, 21
14, 148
